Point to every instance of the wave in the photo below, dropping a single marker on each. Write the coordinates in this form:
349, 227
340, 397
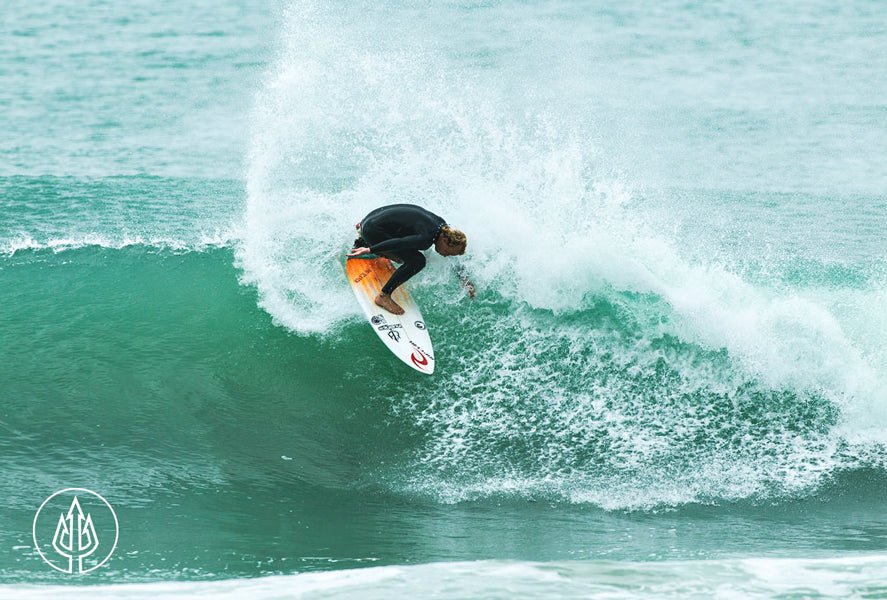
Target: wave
850, 576
604, 361
607, 360
602, 405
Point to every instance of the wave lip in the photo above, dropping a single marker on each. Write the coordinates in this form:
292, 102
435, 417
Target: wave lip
58, 214
26, 242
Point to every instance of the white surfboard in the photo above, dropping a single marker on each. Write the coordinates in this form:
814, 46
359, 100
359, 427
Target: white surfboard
405, 335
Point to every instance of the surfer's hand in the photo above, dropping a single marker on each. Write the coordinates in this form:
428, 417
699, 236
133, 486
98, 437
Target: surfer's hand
359, 251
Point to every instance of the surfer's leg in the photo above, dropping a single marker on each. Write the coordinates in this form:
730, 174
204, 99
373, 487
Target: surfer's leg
392, 257
413, 262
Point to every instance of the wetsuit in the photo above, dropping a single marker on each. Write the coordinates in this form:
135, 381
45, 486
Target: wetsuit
399, 232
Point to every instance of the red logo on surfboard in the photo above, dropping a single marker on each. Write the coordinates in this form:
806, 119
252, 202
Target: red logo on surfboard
420, 361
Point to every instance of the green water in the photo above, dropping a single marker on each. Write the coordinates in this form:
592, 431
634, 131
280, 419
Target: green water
674, 371
262, 446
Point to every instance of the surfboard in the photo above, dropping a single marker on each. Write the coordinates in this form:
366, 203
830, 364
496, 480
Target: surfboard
405, 335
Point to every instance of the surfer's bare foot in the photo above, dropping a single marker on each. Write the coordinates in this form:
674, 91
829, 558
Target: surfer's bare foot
385, 301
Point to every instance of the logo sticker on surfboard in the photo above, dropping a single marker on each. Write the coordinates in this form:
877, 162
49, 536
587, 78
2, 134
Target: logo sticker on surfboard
420, 361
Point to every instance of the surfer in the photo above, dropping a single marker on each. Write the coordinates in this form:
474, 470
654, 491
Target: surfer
398, 232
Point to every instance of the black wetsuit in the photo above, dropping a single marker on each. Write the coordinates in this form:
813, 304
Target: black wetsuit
399, 232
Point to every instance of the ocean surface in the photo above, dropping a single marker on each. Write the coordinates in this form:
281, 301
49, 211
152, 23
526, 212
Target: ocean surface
672, 382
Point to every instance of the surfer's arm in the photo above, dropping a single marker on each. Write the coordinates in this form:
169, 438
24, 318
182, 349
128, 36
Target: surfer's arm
464, 280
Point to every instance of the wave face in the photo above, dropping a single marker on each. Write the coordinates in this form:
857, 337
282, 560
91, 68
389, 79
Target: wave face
619, 354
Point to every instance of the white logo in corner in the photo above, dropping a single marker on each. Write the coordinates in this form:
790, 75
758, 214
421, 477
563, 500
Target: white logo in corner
75, 530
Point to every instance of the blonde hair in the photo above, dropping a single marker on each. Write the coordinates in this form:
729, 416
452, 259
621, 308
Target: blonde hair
454, 238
